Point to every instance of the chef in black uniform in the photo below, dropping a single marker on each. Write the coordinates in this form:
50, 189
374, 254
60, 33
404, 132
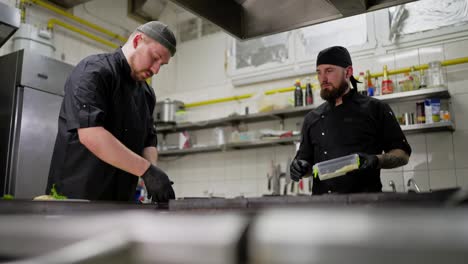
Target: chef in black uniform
348, 123
106, 138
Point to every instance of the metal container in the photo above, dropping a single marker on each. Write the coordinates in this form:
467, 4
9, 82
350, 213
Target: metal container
165, 110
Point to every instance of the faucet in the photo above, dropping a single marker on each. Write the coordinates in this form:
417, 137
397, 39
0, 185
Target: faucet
274, 177
392, 184
414, 183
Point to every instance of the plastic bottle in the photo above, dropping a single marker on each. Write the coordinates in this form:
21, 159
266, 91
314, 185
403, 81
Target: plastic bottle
361, 87
378, 89
387, 84
422, 79
370, 85
298, 95
309, 95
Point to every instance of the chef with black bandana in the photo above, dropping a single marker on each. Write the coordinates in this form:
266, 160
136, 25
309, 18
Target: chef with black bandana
348, 123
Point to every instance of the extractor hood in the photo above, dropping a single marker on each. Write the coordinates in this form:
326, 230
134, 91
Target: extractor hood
247, 19
9, 22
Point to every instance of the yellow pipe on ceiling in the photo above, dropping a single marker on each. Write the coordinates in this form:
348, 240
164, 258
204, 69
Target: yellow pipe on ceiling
291, 88
53, 21
64, 13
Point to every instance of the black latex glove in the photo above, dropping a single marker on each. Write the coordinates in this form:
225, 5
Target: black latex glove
368, 162
298, 169
158, 185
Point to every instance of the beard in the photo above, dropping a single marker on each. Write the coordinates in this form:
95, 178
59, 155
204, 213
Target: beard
332, 94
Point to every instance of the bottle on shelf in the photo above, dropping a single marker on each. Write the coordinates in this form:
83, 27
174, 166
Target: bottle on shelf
370, 86
298, 95
422, 79
407, 83
361, 85
377, 90
416, 79
387, 84
309, 94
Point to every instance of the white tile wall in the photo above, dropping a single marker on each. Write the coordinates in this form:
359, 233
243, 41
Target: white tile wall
441, 179
462, 178
421, 178
440, 151
460, 144
397, 178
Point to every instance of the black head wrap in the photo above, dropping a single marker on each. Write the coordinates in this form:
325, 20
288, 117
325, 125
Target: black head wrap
338, 56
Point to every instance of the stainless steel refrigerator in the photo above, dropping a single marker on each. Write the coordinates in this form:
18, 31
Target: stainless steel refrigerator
31, 92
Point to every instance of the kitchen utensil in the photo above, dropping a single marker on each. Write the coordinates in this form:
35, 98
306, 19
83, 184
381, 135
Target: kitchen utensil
166, 110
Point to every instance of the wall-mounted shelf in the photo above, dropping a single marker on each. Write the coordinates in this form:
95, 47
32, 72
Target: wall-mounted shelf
409, 129
421, 94
231, 146
439, 126
251, 118
439, 92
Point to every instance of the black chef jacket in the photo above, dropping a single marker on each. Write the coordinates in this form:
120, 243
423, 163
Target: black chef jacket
359, 124
101, 92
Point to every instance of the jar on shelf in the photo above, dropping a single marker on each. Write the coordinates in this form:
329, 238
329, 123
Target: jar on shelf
435, 76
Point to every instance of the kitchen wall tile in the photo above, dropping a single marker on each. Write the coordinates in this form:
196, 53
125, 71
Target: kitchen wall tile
394, 170
457, 49
406, 58
179, 190
397, 178
460, 107
264, 158
233, 164
283, 154
217, 166
194, 189
440, 151
441, 179
433, 53
460, 145
249, 164
418, 158
216, 188
457, 77
202, 166
421, 178
262, 187
381, 60
462, 178
362, 65
249, 188
232, 188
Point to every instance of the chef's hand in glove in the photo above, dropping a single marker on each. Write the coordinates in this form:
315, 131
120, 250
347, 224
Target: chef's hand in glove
158, 185
298, 169
368, 162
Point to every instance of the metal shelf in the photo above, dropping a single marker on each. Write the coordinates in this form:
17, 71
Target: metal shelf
231, 146
440, 92
177, 152
418, 128
409, 129
251, 118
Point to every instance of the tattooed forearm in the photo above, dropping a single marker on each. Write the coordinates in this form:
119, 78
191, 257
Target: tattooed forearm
392, 159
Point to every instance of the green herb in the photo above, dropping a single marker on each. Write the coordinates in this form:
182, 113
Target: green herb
8, 197
55, 194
